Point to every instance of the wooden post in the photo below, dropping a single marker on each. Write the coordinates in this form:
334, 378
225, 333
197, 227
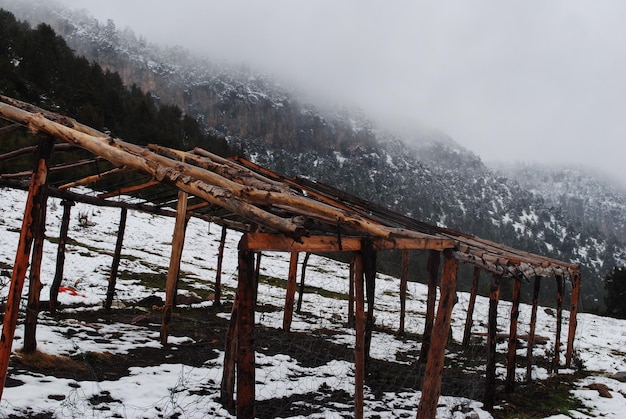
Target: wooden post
291, 291
431, 388
116, 260
467, 333
490, 374
227, 392
369, 270
531, 333
60, 265
257, 274
352, 280
178, 240
404, 276
34, 283
571, 334
36, 194
433, 271
245, 335
359, 346
512, 350
302, 273
559, 322
218, 275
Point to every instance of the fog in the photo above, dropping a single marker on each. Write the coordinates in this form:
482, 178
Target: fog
532, 81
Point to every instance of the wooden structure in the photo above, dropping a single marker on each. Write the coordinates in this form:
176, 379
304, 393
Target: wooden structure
275, 213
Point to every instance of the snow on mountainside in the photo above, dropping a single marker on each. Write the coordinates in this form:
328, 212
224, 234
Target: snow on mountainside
425, 175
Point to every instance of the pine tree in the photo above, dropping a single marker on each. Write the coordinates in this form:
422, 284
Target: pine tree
615, 285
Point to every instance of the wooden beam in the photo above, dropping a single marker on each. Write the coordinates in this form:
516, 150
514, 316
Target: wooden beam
116, 260
369, 271
302, 274
490, 373
178, 240
431, 387
245, 335
290, 292
467, 333
93, 178
433, 273
512, 349
559, 322
404, 275
35, 197
571, 334
533, 326
227, 387
60, 263
128, 189
359, 345
351, 280
218, 274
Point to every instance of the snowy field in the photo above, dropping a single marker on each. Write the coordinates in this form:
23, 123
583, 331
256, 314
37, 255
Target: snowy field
171, 390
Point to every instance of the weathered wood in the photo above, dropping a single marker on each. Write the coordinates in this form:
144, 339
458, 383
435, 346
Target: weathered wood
218, 274
302, 274
31, 149
351, 280
178, 240
467, 333
531, 332
512, 349
433, 272
492, 329
431, 387
227, 388
60, 263
404, 275
571, 334
36, 193
559, 322
34, 283
245, 335
257, 269
359, 346
291, 291
128, 189
8, 129
116, 260
369, 271
93, 178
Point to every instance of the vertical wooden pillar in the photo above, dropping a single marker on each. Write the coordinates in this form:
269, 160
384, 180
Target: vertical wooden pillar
467, 333
433, 271
245, 335
36, 195
60, 265
431, 388
116, 260
227, 391
559, 322
490, 374
369, 271
510, 364
218, 275
178, 240
359, 346
571, 334
404, 277
34, 283
257, 274
351, 281
531, 333
291, 291
302, 273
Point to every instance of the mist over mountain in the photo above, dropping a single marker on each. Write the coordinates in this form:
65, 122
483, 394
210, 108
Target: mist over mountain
557, 212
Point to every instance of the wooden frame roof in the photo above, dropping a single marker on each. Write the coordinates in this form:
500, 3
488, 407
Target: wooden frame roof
244, 196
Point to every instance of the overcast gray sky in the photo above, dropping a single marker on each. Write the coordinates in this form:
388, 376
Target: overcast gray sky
512, 81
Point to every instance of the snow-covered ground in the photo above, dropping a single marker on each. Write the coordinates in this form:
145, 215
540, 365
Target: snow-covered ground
170, 389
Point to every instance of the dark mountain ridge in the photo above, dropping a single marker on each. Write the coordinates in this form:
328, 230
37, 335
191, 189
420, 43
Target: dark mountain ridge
426, 176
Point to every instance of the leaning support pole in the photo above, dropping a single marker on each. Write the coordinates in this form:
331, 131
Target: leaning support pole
178, 239
531, 333
369, 271
116, 260
490, 373
218, 274
245, 335
512, 350
290, 295
36, 194
433, 271
404, 276
559, 322
58, 274
351, 280
227, 389
431, 388
34, 280
571, 334
359, 346
467, 333
301, 290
